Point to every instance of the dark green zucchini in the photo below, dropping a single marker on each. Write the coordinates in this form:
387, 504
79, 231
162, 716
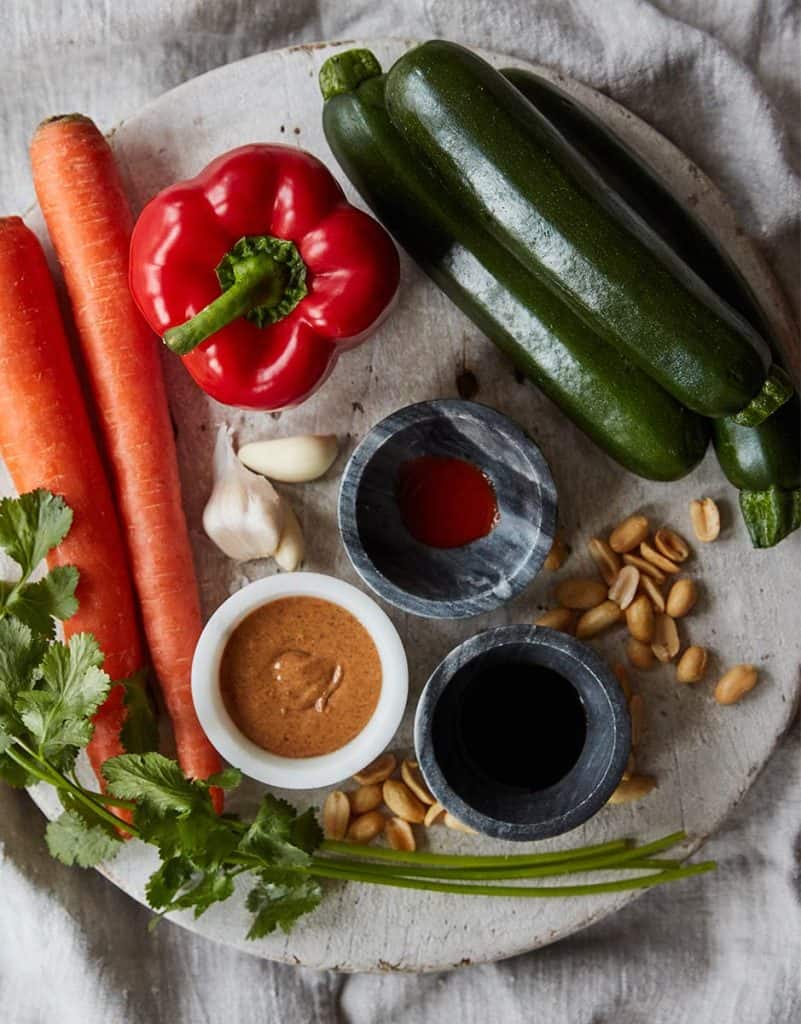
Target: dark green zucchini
508, 166
764, 460
621, 408
755, 458
624, 171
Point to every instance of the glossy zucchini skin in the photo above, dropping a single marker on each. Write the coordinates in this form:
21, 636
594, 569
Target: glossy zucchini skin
624, 171
505, 162
754, 459
622, 409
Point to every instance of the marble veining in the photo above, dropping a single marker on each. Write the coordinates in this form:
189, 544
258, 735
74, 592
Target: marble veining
497, 810
455, 582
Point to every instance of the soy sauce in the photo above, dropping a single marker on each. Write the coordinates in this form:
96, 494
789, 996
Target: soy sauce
520, 725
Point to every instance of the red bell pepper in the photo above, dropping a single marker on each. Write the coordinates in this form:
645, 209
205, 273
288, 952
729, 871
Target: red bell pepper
258, 272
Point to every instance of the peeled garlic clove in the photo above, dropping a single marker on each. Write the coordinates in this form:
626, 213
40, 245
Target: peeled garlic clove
291, 549
292, 460
244, 516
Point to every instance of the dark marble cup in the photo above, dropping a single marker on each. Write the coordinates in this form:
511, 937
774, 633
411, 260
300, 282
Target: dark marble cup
499, 809
447, 583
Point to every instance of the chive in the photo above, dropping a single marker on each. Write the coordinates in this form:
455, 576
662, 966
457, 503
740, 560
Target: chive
512, 891
354, 851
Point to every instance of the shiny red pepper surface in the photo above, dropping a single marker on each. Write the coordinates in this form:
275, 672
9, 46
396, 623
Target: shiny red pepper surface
283, 272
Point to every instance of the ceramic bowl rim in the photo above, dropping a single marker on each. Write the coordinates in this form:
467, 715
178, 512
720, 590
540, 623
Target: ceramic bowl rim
381, 433
590, 662
300, 772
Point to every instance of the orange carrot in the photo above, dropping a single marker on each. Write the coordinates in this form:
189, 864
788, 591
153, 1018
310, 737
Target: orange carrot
89, 221
46, 441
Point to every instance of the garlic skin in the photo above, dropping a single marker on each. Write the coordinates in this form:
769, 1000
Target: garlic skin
244, 516
291, 460
290, 551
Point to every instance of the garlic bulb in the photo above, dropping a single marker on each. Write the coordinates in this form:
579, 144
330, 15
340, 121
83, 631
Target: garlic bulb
244, 516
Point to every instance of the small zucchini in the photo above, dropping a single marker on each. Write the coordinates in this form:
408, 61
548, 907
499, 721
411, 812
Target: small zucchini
621, 408
513, 171
763, 461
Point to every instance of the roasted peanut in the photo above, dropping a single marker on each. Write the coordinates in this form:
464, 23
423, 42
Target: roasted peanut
637, 713
399, 835
624, 588
634, 788
580, 593
705, 517
691, 665
433, 814
336, 815
639, 654
627, 535
557, 556
640, 619
410, 773
456, 825
561, 619
650, 554
665, 644
681, 598
671, 544
652, 591
598, 619
735, 684
622, 676
402, 801
605, 558
646, 568
365, 798
366, 827
377, 770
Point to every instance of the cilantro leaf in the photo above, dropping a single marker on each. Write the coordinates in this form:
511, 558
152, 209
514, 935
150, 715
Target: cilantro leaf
306, 831
280, 903
20, 655
140, 732
228, 778
213, 887
72, 841
31, 525
52, 597
155, 781
271, 835
71, 688
165, 883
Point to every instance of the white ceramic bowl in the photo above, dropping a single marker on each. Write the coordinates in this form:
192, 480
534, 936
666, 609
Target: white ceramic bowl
299, 772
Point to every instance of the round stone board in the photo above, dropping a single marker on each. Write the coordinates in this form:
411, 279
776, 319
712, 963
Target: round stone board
703, 756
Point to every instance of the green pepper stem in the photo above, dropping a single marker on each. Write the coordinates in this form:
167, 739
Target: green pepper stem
344, 72
260, 281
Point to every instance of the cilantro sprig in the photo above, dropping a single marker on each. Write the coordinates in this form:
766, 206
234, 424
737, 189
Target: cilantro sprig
49, 693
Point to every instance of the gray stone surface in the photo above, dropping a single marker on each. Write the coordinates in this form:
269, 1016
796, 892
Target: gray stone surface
720, 79
459, 582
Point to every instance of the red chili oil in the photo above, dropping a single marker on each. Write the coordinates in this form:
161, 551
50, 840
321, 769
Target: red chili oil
446, 503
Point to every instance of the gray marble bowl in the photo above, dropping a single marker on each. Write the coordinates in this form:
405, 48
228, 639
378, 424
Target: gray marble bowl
504, 811
449, 583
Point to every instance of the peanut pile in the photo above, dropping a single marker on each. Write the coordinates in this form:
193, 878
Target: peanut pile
357, 817
641, 585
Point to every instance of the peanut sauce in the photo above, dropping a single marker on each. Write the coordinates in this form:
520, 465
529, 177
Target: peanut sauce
300, 676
